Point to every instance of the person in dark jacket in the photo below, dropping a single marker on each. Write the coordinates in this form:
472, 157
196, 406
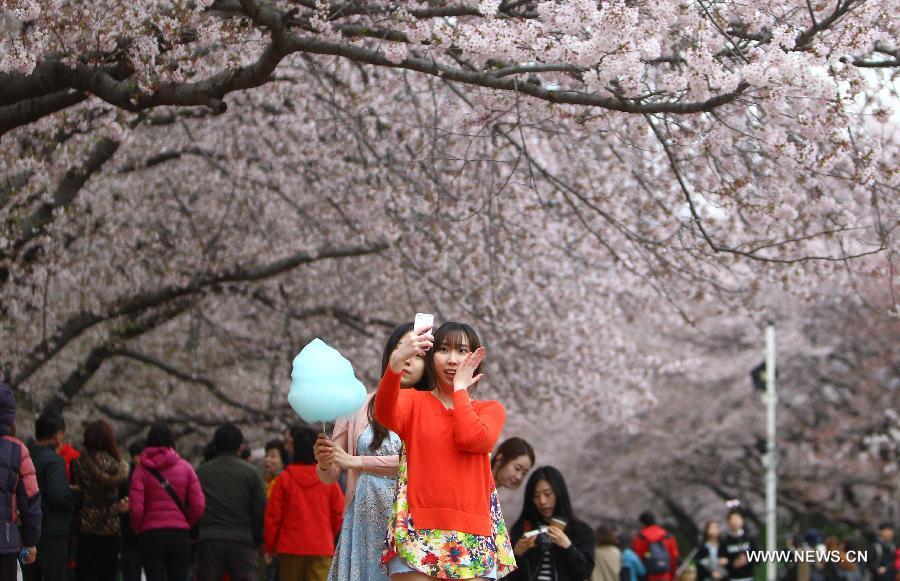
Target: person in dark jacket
549, 541
131, 558
657, 549
231, 530
735, 548
58, 500
881, 557
20, 499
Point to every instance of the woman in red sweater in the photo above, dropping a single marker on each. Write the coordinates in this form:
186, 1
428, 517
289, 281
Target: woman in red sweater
446, 521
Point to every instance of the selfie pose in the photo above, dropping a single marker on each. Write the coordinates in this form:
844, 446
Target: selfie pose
549, 541
511, 463
370, 453
446, 521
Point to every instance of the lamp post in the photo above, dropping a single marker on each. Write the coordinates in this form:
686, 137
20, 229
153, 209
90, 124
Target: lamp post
764, 376
771, 461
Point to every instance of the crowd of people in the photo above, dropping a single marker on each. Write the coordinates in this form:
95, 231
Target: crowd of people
406, 488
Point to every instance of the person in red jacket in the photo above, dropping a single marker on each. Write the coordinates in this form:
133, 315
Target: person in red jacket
303, 516
656, 548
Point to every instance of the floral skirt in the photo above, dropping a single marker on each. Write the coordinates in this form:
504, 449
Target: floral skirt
447, 554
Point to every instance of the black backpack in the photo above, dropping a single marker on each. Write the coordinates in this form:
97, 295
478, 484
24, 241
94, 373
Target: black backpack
657, 557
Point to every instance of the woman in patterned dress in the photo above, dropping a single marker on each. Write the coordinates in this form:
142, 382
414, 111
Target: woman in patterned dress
370, 454
446, 522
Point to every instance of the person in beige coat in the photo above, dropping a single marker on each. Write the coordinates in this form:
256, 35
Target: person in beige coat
371, 454
607, 556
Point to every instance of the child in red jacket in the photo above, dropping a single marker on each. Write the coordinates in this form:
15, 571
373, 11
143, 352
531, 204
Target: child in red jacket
303, 515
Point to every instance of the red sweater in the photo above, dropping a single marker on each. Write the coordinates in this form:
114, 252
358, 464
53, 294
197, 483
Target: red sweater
447, 453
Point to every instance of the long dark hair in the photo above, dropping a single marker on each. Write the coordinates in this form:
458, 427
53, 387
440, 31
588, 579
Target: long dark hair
530, 514
99, 437
509, 450
379, 432
451, 334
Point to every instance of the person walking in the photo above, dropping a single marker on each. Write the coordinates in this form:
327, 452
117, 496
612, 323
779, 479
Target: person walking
131, 558
657, 549
735, 548
275, 460
231, 529
550, 542
97, 473
303, 516
708, 566
58, 500
166, 500
607, 556
20, 499
882, 566
632, 566
370, 454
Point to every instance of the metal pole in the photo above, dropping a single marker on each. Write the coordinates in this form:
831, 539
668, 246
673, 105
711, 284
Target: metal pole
771, 456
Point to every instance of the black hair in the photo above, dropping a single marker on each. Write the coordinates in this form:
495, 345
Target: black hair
509, 450
278, 444
47, 425
451, 334
379, 432
885, 525
228, 438
209, 451
136, 447
530, 514
246, 453
160, 436
647, 518
304, 442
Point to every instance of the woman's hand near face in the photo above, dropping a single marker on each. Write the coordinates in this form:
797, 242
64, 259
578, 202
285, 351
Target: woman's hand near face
524, 544
559, 538
410, 346
463, 379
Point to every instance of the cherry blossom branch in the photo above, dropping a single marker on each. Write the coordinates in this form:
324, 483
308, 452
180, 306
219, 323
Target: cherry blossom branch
189, 377
30, 110
133, 305
34, 224
752, 253
129, 329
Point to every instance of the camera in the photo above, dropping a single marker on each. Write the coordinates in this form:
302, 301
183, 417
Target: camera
543, 540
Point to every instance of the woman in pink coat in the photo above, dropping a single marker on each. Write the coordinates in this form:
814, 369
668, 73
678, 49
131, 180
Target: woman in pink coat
166, 501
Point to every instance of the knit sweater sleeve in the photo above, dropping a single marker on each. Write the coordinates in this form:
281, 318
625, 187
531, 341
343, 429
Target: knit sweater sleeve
393, 408
476, 431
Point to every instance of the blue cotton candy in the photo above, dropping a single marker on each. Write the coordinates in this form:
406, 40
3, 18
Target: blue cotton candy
323, 384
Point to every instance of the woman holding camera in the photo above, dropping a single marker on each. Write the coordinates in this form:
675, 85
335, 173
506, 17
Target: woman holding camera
549, 542
446, 521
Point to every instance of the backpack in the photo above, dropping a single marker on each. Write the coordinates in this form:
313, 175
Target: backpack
657, 557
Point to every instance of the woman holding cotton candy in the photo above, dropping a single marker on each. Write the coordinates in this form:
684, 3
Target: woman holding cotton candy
370, 454
446, 521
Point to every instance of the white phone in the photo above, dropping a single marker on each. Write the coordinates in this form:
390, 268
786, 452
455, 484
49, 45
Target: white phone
423, 321
535, 532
